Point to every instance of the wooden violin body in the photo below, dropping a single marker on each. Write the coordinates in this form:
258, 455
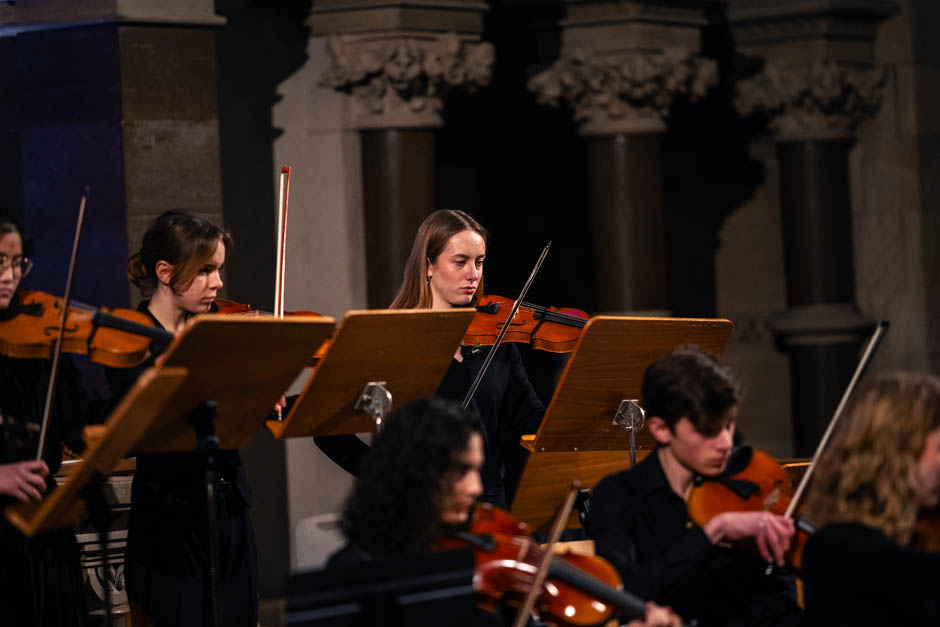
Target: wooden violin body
552, 329
31, 334
580, 589
762, 484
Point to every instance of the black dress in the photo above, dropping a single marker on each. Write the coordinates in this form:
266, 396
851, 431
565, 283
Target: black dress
854, 575
505, 401
40, 577
166, 560
642, 527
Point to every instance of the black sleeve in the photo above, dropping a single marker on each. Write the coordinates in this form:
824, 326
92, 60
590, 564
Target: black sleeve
521, 406
615, 516
121, 380
76, 405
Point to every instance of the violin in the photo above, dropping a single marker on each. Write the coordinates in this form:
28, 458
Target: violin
553, 329
114, 337
580, 589
754, 481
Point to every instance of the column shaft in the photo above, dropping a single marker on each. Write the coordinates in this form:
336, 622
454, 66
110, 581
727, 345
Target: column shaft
398, 193
626, 203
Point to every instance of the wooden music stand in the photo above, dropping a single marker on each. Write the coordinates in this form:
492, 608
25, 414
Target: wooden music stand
244, 378
408, 350
63, 506
244, 364
578, 438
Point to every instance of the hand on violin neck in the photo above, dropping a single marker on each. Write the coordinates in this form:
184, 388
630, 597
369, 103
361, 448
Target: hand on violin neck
770, 532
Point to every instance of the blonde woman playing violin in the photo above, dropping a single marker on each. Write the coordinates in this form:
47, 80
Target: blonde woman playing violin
445, 270
866, 565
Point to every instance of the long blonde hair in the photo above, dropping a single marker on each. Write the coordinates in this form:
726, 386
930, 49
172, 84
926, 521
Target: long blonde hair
430, 240
867, 474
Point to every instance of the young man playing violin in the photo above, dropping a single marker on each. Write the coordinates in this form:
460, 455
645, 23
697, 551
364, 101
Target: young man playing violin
639, 520
421, 481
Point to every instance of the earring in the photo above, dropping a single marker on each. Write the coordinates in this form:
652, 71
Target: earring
429, 279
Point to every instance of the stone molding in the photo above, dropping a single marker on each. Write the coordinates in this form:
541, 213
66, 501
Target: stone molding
825, 101
400, 82
51, 14
630, 92
822, 324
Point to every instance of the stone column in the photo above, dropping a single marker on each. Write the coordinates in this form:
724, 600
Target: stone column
816, 86
622, 65
396, 63
119, 95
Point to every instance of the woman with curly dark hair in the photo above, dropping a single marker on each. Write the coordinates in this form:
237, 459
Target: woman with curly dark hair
421, 478
421, 475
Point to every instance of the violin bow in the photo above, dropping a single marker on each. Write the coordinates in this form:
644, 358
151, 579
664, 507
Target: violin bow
57, 351
867, 356
281, 255
558, 525
502, 332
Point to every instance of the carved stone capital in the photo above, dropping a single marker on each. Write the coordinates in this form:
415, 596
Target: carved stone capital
400, 82
824, 101
626, 93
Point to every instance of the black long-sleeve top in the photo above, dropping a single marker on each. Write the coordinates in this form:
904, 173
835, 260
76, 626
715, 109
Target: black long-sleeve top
854, 575
642, 527
40, 577
505, 400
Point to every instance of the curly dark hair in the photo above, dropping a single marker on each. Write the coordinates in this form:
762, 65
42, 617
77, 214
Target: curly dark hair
691, 383
393, 506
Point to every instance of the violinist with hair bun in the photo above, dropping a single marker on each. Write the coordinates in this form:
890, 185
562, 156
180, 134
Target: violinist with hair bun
40, 577
445, 270
166, 568
866, 564
419, 482
639, 519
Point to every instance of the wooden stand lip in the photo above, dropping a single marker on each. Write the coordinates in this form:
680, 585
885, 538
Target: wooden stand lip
180, 437
345, 349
